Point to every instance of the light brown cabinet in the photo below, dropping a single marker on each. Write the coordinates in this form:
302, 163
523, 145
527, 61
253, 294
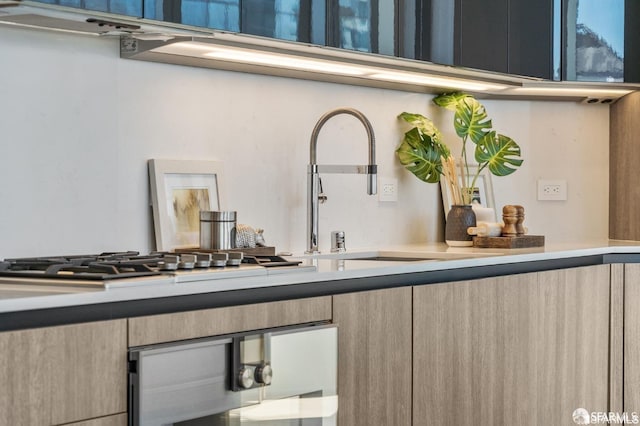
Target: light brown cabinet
374, 360
632, 338
524, 349
624, 156
63, 374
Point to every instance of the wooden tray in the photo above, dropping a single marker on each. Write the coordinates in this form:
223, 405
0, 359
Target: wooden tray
258, 251
523, 241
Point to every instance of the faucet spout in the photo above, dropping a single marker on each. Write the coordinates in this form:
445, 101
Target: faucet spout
314, 170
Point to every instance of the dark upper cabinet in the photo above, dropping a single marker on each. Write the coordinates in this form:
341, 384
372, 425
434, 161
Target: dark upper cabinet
593, 40
631, 41
570, 40
118, 7
600, 40
360, 25
509, 36
481, 34
530, 41
573, 40
293, 20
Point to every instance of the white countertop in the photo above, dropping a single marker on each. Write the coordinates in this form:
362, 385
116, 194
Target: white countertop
19, 297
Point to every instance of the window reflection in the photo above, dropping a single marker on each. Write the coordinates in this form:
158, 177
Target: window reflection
120, 7
283, 19
275, 18
355, 24
360, 25
366, 25
595, 40
219, 14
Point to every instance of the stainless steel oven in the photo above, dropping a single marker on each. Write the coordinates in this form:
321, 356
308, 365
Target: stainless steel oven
283, 377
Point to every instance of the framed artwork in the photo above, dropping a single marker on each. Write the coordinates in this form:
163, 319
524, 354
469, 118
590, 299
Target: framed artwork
180, 189
482, 193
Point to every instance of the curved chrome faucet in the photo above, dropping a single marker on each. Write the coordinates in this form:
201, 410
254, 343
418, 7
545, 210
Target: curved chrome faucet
314, 170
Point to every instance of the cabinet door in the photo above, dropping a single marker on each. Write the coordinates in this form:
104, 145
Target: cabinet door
530, 45
573, 344
374, 357
632, 338
509, 36
624, 156
525, 349
601, 40
63, 374
481, 34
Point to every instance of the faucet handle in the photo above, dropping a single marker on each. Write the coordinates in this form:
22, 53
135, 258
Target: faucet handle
337, 242
322, 197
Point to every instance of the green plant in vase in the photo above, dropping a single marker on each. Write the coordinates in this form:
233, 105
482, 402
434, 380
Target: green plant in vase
423, 152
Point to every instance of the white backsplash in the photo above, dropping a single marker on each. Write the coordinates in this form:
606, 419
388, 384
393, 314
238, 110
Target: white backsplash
78, 125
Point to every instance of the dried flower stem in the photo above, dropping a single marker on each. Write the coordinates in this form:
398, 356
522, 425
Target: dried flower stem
451, 175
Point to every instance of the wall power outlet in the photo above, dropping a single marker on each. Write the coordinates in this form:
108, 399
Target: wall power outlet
387, 189
552, 190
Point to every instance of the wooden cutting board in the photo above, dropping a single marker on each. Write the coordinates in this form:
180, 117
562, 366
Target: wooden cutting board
523, 241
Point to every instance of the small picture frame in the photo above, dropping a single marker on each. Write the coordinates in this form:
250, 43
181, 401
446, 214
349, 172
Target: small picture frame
482, 193
180, 189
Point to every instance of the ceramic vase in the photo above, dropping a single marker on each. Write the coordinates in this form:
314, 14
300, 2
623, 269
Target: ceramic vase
459, 218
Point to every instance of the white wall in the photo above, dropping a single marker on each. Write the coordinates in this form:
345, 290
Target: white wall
78, 125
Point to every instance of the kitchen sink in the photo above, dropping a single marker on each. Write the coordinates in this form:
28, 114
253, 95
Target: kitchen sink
391, 258
403, 256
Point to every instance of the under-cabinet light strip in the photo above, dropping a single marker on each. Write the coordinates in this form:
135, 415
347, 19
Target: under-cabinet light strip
542, 90
328, 66
426, 80
379, 71
282, 61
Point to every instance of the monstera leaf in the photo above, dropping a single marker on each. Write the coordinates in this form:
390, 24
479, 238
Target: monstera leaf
470, 119
423, 124
500, 152
421, 149
450, 100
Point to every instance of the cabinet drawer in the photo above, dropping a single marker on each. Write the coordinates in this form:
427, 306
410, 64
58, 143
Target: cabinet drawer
153, 329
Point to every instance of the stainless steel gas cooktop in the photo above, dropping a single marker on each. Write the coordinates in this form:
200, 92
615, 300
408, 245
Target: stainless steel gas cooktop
130, 268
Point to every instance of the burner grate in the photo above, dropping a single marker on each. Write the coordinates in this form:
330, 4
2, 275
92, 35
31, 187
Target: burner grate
104, 266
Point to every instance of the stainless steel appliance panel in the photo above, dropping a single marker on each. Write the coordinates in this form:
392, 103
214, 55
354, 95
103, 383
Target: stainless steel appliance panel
178, 382
190, 383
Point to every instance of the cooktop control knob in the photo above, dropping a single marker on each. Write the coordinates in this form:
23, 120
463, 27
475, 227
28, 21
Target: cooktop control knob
245, 378
264, 374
